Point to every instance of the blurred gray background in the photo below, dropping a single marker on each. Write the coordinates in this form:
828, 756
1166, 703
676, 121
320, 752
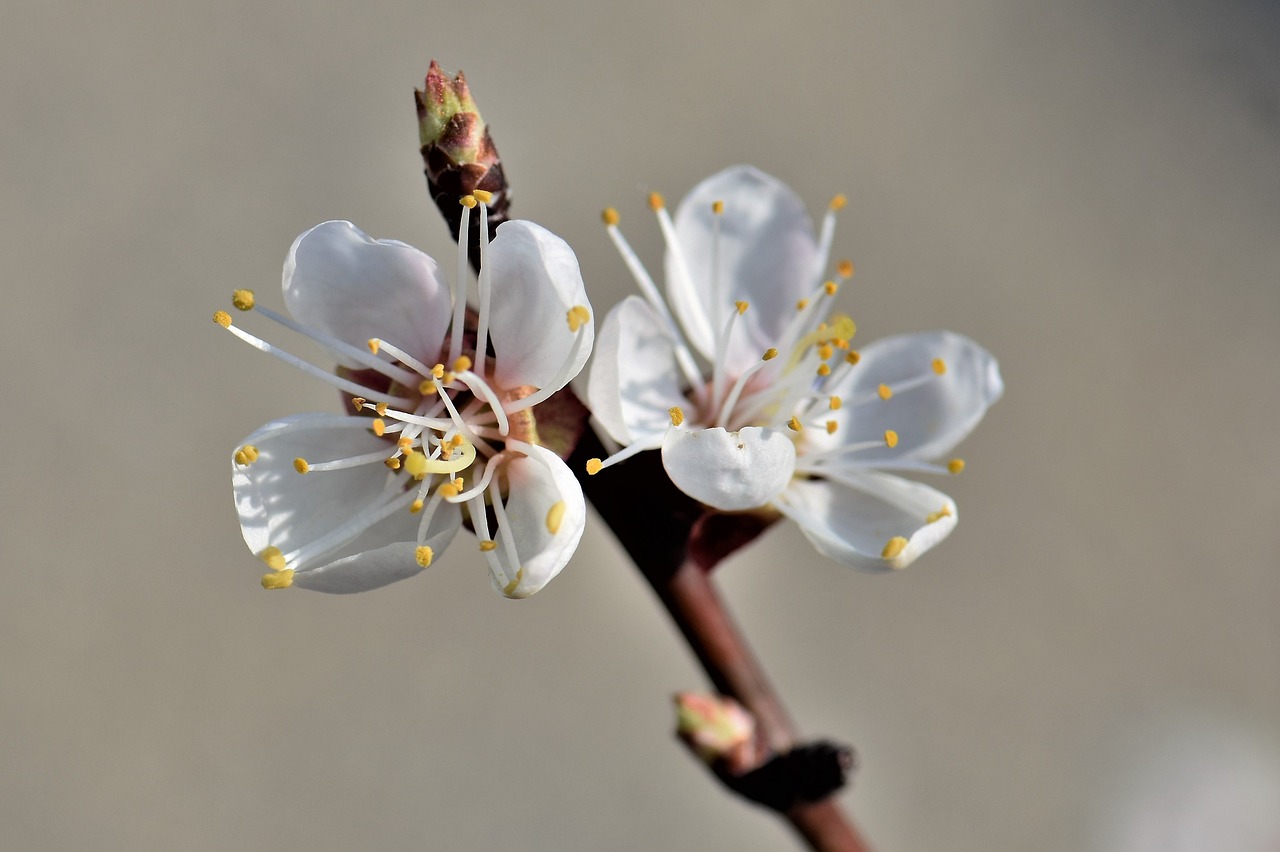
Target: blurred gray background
1090, 189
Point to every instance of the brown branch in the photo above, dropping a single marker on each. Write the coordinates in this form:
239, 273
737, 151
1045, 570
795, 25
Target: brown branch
682, 582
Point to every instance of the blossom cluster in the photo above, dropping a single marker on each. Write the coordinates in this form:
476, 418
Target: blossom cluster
742, 374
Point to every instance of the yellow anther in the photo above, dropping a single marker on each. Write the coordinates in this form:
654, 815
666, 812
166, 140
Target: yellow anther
482, 195
824, 369
832, 426
934, 517
677, 415
893, 547
769, 354
742, 307
374, 344
241, 458
379, 427
467, 201
939, 366
222, 318
415, 507
381, 408
393, 463
248, 454
609, 216
794, 424
885, 392
457, 441
593, 466
447, 378
488, 545
273, 557
426, 387
578, 316
838, 201
448, 490
834, 403
458, 483
845, 269
423, 556
462, 364
404, 443
890, 438
656, 201
840, 342
802, 304
242, 299
300, 465
717, 207
278, 579
825, 351
831, 288
955, 465
852, 356
438, 371
358, 402
510, 588
415, 463
555, 516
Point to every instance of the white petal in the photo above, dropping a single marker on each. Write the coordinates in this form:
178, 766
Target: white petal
280, 507
852, 521
730, 471
344, 282
931, 418
634, 380
538, 487
535, 281
368, 569
767, 252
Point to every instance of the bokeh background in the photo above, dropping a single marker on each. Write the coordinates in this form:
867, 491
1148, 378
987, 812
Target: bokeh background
1091, 189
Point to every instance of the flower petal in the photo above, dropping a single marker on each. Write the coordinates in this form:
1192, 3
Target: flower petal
766, 254
368, 569
634, 380
546, 514
853, 520
280, 507
730, 471
340, 280
535, 280
930, 416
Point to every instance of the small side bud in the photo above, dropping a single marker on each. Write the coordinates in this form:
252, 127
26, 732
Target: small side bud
718, 730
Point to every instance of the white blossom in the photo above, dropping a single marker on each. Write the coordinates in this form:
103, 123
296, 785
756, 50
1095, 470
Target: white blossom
747, 381
445, 412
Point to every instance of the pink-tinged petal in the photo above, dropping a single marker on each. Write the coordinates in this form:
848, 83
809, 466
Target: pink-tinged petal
342, 281
730, 471
766, 254
535, 280
854, 520
634, 380
546, 514
930, 412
